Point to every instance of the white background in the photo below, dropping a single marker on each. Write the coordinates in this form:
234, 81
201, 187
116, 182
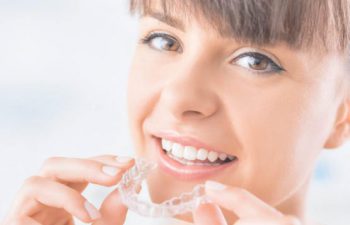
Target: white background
63, 71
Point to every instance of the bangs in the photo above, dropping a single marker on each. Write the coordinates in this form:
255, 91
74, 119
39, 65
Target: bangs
301, 24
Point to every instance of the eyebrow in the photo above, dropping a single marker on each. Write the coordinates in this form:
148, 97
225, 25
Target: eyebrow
168, 19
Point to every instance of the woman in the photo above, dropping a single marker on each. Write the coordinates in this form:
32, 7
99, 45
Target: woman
241, 95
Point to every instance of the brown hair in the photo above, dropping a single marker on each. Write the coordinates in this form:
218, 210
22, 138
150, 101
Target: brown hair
300, 24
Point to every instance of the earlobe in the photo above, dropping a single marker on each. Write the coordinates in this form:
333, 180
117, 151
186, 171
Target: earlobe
338, 137
341, 130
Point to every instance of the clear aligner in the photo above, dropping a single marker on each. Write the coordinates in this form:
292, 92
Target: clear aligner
132, 180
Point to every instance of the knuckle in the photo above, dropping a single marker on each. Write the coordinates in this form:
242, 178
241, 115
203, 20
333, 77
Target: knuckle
51, 160
90, 163
88, 166
32, 180
29, 187
48, 163
74, 201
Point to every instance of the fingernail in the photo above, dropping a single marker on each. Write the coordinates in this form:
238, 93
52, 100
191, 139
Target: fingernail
92, 211
123, 159
212, 185
109, 170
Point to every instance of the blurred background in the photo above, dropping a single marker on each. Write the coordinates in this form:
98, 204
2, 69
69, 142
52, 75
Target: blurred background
63, 74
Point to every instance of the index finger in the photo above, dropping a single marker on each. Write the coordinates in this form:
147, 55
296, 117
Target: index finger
208, 214
243, 203
75, 171
113, 210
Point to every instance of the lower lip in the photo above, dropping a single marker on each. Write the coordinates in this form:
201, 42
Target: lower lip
186, 172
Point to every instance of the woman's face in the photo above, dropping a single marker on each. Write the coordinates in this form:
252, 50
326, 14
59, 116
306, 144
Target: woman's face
265, 111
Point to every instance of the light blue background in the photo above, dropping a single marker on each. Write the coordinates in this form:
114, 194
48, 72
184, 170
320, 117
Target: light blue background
63, 70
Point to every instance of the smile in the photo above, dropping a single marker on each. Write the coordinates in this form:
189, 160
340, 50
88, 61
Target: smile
188, 159
189, 155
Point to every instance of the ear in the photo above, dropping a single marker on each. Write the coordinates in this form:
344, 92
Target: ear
341, 130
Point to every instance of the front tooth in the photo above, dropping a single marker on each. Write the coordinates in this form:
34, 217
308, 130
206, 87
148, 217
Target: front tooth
222, 156
202, 154
166, 145
177, 150
213, 156
190, 153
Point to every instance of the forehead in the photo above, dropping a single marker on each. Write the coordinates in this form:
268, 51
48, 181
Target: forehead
298, 24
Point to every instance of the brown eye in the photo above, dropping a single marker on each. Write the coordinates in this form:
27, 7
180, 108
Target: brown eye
257, 62
162, 42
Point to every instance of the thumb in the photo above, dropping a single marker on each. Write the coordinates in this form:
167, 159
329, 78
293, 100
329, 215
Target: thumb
208, 214
113, 211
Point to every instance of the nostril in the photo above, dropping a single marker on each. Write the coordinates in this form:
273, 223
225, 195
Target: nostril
192, 113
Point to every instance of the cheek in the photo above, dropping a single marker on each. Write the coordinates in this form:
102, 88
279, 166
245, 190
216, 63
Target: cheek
147, 77
142, 95
282, 129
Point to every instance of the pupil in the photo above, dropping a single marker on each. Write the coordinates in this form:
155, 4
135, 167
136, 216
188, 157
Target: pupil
256, 63
169, 44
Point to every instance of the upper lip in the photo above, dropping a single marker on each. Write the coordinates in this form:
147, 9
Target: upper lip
186, 141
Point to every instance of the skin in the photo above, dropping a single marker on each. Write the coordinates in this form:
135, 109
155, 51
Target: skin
275, 124
53, 196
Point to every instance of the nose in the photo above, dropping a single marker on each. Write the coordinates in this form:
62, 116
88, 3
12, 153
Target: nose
189, 95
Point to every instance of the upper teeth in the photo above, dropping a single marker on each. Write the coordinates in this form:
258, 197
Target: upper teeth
191, 153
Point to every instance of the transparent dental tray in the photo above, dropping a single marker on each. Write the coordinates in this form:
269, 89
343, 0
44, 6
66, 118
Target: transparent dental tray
131, 181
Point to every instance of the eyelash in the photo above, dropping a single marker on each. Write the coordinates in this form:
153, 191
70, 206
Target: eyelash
150, 36
275, 69
147, 40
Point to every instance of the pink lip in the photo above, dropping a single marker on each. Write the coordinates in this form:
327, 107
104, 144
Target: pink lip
185, 172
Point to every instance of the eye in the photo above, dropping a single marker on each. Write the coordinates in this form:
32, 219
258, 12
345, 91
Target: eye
257, 62
162, 42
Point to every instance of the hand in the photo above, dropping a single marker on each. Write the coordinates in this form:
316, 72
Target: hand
54, 196
249, 209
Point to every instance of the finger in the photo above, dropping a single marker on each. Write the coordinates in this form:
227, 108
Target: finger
22, 221
118, 161
73, 170
241, 202
121, 161
113, 210
38, 191
208, 214
287, 220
